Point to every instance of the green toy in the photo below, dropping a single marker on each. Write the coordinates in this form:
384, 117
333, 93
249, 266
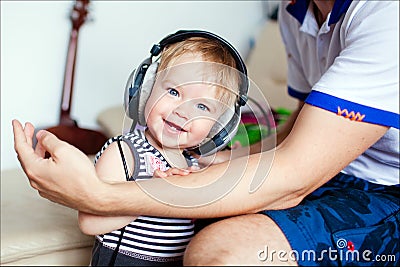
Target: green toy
281, 115
248, 134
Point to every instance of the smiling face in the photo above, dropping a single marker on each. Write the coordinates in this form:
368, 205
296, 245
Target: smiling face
182, 107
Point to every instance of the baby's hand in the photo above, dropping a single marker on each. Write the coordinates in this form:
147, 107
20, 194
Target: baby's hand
174, 171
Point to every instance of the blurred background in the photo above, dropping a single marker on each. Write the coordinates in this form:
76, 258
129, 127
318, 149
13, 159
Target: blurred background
113, 41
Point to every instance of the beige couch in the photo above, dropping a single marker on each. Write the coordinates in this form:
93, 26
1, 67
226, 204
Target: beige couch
35, 231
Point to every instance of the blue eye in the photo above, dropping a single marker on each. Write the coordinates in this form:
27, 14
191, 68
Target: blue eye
202, 107
173, 92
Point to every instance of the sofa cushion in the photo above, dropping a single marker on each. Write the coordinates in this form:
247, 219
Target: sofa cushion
112, 121
32, 226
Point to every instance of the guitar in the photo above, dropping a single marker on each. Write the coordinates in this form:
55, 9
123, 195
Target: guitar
88, 141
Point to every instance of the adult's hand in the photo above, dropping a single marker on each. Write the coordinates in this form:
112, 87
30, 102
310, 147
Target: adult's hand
66, 177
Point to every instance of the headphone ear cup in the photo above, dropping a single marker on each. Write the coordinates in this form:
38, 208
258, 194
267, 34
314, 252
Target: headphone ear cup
220, 134
130, 96
221, 123
137, 91
145, 91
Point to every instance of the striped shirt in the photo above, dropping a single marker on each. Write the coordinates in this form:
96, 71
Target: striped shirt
149, 238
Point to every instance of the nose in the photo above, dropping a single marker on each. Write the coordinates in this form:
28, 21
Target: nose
181, 111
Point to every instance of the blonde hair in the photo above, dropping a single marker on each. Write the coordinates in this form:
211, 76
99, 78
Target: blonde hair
227, 79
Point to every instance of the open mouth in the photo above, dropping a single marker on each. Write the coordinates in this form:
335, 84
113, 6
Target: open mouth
174, 127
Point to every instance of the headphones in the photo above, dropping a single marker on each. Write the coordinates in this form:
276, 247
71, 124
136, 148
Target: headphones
141, 81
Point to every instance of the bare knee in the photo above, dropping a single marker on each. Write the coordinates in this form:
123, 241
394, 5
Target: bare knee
235, 241
209, 246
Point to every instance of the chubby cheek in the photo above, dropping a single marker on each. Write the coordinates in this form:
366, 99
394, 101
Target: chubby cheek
154, 111
200, 130
148, 117
151, 120
154, 121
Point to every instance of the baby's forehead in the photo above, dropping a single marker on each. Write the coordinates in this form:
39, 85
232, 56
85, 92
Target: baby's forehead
197, 72
194, 89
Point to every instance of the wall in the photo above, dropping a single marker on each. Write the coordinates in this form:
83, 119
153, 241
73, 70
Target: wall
117, 37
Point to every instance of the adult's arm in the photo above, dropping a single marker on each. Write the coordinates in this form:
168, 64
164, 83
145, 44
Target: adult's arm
319, 146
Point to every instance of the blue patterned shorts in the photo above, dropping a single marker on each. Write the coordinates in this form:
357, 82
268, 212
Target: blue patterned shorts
347, 221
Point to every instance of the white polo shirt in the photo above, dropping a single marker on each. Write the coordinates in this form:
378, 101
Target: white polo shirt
349, 66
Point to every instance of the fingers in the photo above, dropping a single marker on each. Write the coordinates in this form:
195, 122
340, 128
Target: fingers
19, 135
22, 145
29, 131
174, 171
24, 150
159, 174
47, 142
39, 149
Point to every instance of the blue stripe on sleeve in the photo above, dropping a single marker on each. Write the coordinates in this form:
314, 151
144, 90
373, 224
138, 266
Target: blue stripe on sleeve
296, 94
353, 111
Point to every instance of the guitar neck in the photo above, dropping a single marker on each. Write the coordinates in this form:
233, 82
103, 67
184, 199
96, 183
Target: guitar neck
78, 17
69, 75
88, 141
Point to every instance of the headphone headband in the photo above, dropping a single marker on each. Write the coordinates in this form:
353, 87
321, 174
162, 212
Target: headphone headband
185, 34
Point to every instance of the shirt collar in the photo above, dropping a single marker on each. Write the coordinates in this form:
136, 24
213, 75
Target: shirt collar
298, 9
